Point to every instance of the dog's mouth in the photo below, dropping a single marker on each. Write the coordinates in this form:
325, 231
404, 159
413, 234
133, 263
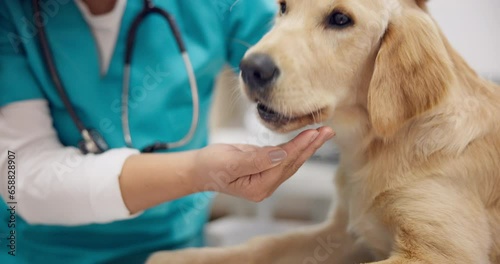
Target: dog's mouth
269, 115
278, 120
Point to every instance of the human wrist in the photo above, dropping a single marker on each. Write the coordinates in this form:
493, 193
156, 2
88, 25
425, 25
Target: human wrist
150, 179
201, 163
190, 172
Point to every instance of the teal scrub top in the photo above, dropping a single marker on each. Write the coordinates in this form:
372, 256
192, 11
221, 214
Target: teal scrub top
216, 32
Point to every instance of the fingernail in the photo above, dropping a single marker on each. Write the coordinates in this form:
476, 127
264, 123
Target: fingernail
331, 135
277, 156
313, 137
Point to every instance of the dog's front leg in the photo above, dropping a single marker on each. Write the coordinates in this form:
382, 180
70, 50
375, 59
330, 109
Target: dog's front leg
237, 254
327, 244
435, 221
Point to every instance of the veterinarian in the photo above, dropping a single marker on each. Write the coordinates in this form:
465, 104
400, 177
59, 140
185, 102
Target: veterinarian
79, 189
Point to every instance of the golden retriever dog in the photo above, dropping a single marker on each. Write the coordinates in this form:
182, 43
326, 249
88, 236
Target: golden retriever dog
418, 131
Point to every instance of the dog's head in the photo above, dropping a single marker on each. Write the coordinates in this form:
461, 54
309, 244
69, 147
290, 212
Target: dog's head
386, 56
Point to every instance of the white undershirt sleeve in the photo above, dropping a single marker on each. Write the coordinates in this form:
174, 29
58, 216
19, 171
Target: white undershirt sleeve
57, 184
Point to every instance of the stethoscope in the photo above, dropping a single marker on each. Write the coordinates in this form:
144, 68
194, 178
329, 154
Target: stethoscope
93, 142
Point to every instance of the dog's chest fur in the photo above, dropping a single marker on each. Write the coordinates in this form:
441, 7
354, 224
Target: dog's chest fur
367, 229
364, 225
366, 179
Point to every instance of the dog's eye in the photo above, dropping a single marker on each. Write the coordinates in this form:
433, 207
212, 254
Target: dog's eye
339, 20
283, 8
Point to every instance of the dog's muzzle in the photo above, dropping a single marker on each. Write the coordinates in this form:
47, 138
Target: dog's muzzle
259, 73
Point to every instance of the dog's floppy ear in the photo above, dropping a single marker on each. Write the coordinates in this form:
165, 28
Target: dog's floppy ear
412, 73
422, 4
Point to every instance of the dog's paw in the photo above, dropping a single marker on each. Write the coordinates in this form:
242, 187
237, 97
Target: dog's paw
188, 256
199, 256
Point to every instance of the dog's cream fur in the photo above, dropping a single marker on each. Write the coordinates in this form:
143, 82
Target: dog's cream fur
419, 133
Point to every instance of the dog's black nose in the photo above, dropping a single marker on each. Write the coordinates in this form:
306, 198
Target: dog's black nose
259, 71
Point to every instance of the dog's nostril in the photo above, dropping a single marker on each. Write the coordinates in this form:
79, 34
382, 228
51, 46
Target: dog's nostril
257, 75
258, 70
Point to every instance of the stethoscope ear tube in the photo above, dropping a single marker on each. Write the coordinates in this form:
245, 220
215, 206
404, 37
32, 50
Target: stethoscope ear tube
131, 36
175, 29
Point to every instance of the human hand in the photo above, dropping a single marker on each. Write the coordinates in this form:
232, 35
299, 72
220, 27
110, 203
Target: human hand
252, 172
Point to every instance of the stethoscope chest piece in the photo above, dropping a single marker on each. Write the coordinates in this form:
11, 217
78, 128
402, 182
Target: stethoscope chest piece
92, 142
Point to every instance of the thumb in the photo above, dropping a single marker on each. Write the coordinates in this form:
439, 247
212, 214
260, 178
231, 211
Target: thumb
261, 159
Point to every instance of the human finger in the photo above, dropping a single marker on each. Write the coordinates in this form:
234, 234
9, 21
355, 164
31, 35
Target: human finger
258, 160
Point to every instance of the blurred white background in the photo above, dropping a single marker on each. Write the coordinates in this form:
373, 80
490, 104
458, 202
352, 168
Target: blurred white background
473, 28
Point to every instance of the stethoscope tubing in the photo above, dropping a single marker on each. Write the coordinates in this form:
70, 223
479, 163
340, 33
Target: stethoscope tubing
131, 36
90, 144
94, 143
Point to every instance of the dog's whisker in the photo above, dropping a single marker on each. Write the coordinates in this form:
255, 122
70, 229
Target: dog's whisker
314, 115
234, 98
244, 43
